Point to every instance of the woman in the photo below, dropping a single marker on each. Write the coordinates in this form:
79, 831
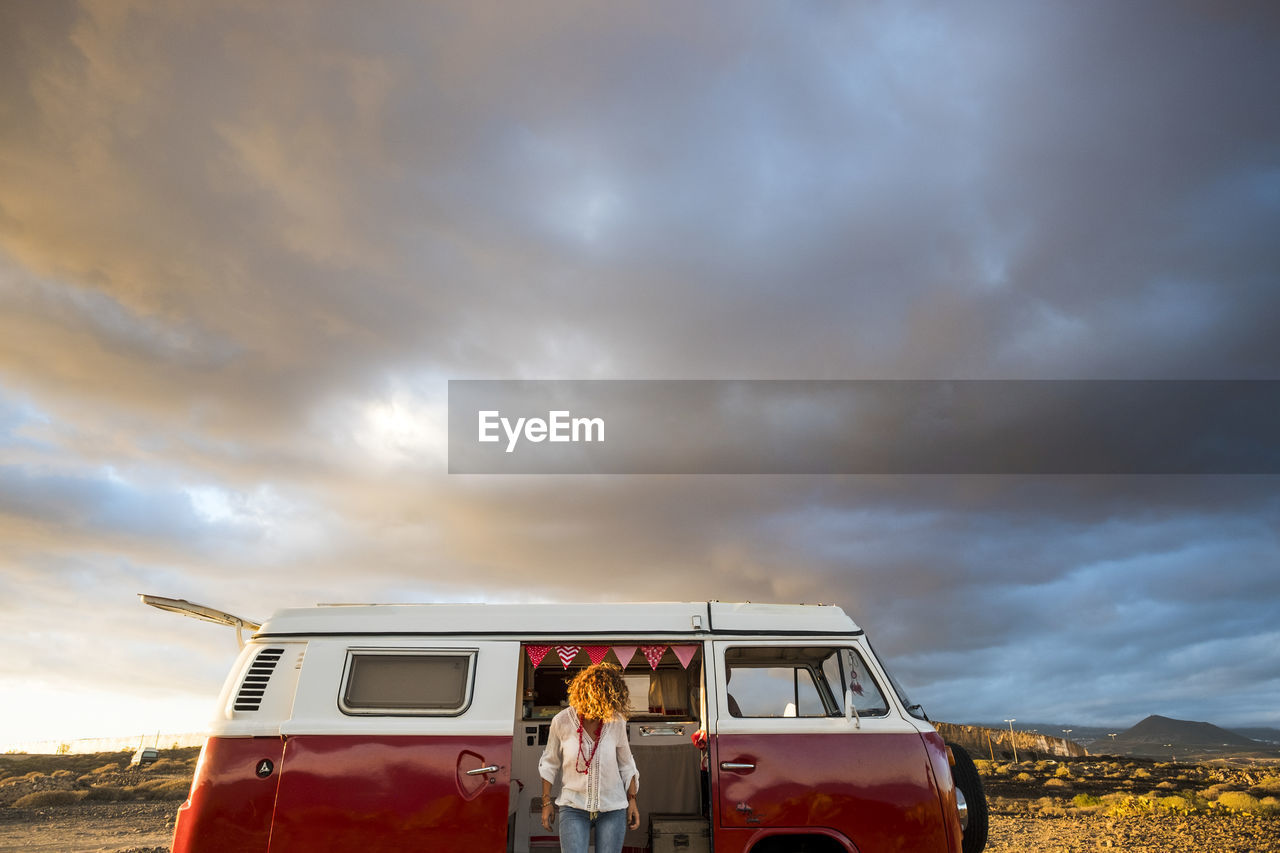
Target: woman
587, 746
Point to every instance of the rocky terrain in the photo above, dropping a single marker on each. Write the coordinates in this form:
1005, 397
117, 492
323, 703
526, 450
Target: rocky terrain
96, 804
1133, 804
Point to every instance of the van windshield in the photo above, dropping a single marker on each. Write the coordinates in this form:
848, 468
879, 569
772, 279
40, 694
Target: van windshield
912, 708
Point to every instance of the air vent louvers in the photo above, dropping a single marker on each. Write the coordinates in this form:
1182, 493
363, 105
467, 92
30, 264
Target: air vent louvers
255, 680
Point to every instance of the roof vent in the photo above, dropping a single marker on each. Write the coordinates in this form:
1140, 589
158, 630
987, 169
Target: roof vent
255, 680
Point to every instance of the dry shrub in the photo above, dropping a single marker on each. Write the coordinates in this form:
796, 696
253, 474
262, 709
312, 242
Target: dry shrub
1176, 804
1141, 773
1130, 806
36, 763
1267, 785
1049, 807
40, 799
984, 766
1239, 801
1063, 772
1213, 792
162, 789
177, 789
62, 774
1057, 783
1166, 786
105, 794
1024, 777
106, 768
1001, 804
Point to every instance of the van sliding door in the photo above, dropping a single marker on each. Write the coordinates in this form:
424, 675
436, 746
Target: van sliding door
398, 744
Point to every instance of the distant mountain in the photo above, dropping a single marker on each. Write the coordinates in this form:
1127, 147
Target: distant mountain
1161, 730
1163, 737
1266, 735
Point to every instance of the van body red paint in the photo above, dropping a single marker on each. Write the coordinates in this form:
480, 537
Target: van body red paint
874, 789
230, 807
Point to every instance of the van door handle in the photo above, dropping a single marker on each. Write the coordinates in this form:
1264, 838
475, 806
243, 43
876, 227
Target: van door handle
736, 765
492, 768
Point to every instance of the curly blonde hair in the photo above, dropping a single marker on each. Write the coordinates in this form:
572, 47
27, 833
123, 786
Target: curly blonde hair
600, 693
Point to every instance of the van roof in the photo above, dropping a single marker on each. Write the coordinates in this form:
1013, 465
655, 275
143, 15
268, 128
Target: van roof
559, 619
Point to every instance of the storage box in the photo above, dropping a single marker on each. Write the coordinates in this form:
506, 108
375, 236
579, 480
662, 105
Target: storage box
679, 833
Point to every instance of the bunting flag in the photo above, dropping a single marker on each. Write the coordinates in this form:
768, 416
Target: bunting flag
625, 654
653, 654
685, 654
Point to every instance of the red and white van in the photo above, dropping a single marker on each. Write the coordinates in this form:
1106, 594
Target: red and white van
370, 728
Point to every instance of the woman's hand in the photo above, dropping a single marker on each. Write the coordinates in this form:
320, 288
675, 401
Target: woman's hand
633, 815
549, 814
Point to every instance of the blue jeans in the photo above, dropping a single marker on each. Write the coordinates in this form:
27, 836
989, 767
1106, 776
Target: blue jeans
575, 830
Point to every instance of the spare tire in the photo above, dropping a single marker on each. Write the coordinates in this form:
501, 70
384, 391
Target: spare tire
969, 783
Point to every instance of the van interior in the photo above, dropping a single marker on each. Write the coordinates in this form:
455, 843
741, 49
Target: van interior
667, 707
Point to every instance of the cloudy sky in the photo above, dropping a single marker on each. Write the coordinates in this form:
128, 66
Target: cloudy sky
244, 246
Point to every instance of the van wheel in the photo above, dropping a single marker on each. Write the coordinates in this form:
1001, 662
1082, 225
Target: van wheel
967, 780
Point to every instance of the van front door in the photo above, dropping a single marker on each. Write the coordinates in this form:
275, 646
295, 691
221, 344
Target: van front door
409, 748
788, 758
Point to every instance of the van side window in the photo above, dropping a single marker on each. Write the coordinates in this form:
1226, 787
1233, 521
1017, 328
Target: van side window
764, 681
407, 682
867, 698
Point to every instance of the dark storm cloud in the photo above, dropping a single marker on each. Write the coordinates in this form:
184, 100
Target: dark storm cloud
241, 249
890, 192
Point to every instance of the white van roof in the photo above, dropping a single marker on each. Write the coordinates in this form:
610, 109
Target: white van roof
559, 619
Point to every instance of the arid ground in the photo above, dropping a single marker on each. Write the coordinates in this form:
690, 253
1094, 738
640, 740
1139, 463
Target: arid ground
78, 804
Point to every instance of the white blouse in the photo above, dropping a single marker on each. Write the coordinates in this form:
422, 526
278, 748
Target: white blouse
603, 788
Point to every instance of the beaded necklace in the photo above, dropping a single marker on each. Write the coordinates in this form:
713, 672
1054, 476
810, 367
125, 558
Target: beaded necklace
578, 763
